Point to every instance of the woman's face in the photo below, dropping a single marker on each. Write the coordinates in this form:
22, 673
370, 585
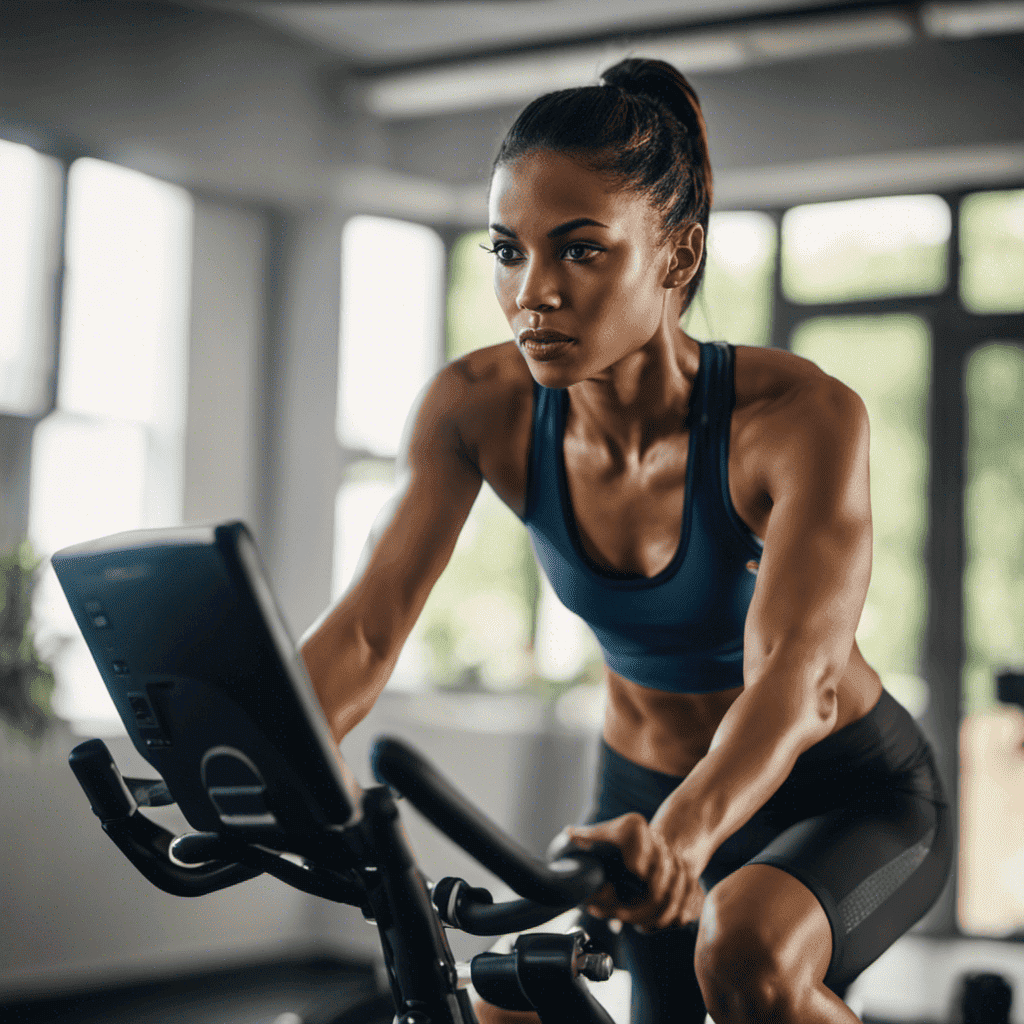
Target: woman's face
580, 272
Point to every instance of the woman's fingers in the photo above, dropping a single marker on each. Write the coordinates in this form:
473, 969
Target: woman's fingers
670, 895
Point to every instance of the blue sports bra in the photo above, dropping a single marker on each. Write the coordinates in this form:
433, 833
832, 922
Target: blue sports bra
681, 630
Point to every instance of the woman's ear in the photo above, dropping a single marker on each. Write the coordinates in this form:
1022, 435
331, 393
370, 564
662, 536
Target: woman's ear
687, 248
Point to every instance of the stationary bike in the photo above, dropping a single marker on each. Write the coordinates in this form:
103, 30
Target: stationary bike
189, 641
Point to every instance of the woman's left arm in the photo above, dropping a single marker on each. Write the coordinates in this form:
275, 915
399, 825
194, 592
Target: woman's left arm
807, 601
810, 590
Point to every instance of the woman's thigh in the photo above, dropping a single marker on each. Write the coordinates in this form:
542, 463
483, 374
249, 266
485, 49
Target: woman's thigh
874, 870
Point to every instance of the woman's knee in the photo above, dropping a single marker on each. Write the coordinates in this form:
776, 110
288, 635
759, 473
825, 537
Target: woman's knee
743, 971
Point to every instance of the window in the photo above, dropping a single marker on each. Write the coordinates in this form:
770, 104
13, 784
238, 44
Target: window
865, 248
110, 457
734, 303
487, 623
389, 347
29, 218
493, 621
391, 276
474, 317
992, 789
992, 247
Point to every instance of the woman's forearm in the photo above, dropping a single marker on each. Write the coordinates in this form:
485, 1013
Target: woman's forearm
348, 675
759, 739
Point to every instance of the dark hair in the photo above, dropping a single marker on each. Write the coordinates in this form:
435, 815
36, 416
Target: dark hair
642, 126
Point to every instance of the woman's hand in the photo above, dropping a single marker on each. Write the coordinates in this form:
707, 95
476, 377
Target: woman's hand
674, 896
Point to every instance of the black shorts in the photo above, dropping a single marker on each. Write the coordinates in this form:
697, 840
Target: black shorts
862, 821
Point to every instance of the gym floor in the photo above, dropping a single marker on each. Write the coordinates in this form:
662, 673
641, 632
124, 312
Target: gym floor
314, 991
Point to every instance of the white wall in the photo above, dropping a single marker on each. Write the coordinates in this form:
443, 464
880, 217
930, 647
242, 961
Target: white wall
303, 468
224, 436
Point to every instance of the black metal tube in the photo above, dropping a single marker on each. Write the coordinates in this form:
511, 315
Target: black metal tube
563, 883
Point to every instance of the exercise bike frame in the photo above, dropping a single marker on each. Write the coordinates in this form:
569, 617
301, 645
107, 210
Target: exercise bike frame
370, 864
187, 636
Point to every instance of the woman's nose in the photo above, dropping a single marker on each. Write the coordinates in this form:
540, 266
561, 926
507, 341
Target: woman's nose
538, 289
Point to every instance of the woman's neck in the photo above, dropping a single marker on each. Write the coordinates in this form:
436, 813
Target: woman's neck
641, 398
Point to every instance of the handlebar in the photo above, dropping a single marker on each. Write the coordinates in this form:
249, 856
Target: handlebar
114, 801
549, 888
193, 864
199, 863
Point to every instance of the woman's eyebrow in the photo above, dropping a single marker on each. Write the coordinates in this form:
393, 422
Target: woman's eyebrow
562, 229
571, 225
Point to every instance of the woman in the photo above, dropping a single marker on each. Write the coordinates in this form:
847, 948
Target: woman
706, 510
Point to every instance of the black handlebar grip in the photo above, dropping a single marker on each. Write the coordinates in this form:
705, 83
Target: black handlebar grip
109, 797
147, 846
628, 887
142, 841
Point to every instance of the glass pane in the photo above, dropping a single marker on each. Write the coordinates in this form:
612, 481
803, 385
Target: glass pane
735, 301
391, 277
478, 629
367, 488
991, 901
478, 624
475, 319
30, 200
865, 248
110, 459
88, 480
886, 360
994, 521
125, 329
992, 252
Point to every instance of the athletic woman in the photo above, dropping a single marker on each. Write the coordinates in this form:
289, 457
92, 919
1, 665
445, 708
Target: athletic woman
705, 509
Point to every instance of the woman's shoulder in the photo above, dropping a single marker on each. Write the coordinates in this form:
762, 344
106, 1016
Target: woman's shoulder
783, 397
490, 396
770, 380
487, 379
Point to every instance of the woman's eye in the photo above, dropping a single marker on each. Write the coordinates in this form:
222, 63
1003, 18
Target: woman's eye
502, 251
579, 251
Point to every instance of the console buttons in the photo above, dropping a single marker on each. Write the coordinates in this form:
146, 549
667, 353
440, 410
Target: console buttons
142, 709
97, 616
145, 718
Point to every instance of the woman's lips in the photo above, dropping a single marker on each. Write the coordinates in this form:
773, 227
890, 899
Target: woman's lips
544, 344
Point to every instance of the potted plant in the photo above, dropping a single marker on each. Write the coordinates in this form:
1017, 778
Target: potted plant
26, 680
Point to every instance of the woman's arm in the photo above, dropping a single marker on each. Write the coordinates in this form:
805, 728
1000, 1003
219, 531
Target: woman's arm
352, 649
810, 590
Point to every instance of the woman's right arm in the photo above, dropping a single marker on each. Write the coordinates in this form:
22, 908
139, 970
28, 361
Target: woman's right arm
352, 649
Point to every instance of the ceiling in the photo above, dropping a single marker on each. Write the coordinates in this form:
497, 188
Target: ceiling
391, 34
